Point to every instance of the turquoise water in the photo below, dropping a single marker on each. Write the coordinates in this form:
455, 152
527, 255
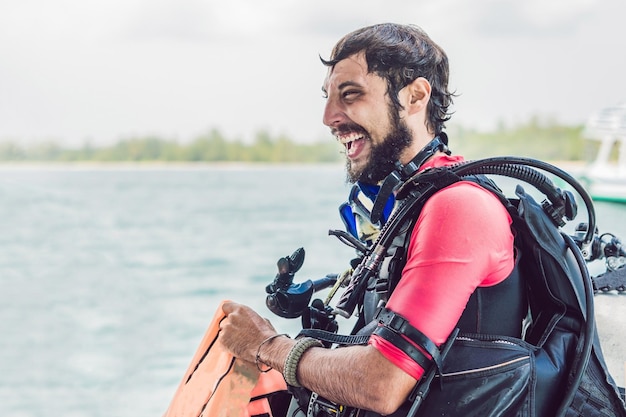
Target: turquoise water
109, 277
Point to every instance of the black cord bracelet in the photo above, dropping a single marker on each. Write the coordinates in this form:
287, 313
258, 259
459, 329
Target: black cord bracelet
293, 358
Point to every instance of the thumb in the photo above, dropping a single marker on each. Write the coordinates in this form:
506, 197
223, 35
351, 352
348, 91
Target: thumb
229, 306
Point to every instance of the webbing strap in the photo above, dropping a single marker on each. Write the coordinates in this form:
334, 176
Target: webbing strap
383, 331
399, 324
339, 339
404, 345
392, 328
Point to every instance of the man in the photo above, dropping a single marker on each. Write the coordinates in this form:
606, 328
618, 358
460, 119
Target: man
387, 99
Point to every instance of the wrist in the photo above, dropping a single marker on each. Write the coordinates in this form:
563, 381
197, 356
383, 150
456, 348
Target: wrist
290, 368
263, 365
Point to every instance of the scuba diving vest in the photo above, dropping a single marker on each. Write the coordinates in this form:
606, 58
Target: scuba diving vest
498, 309
486, 307
544, 358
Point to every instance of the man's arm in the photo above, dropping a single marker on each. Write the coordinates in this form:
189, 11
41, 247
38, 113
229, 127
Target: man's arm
356, 376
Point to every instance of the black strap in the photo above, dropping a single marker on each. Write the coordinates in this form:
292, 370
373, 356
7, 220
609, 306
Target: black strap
404, 345
396, 177
391, 327
330, 337
401, 326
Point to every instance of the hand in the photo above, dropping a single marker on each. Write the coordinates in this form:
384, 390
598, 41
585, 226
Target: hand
242, 330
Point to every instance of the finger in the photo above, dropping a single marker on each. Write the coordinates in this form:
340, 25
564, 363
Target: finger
270, 324
229, 306
221, 323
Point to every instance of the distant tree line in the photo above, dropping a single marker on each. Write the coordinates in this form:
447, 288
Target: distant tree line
546, 140
537, 138
212, 147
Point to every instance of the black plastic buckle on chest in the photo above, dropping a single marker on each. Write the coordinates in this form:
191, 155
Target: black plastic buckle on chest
401, 327
394, 268
381, 286
391, 320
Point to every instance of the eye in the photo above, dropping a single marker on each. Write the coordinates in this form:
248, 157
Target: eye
350, 94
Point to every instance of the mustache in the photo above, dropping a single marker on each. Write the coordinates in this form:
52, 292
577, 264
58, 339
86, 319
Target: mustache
348, 128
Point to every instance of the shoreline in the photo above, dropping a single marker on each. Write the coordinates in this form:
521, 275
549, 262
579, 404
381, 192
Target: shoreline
154, 165
559, 163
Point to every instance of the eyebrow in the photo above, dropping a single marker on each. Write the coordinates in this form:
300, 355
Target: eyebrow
349, 84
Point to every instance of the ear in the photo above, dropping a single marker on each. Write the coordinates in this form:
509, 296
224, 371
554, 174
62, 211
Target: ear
418, 95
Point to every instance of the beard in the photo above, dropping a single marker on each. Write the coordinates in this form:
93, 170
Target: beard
383, 156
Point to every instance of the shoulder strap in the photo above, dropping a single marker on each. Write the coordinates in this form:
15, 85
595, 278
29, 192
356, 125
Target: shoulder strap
396, 177
430, 181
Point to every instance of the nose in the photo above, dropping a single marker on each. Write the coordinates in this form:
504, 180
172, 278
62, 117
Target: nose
333, 113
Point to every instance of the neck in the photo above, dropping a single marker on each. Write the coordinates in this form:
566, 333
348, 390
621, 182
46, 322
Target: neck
436, 145
421, 138
419, 143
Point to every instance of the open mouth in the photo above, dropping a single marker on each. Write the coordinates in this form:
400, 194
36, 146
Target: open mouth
353, 143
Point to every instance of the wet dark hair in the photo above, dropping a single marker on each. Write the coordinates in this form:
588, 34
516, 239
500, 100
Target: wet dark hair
400, 54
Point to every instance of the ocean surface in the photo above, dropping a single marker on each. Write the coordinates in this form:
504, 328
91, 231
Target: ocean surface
110, 276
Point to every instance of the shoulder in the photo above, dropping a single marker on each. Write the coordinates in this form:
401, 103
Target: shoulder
465, 206
465, 195
464, 199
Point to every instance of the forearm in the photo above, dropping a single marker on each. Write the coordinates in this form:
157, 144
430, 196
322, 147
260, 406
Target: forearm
358, 376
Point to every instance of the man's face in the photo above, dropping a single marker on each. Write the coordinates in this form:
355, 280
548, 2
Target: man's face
362, 117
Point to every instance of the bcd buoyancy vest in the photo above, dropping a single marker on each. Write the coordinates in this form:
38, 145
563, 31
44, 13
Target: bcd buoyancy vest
498, 309
555, 367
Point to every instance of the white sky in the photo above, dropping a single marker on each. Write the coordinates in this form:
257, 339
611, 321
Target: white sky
102, 70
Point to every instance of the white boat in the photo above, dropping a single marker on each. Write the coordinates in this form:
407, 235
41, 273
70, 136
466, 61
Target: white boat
605, 177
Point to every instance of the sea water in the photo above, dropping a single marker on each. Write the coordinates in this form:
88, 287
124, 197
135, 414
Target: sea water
110, 276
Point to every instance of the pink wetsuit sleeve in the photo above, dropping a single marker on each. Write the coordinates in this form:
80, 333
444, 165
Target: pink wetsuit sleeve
462, 240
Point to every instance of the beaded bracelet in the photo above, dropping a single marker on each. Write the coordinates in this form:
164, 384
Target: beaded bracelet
257, 359
294, 356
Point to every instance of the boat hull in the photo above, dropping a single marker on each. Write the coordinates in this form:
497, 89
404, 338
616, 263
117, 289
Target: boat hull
610, 188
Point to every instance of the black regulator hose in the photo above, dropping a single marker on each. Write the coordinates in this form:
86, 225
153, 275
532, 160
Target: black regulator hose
585, 342
370, 264
519, 168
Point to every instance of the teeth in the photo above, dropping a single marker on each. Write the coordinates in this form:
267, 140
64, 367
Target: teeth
345, 139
